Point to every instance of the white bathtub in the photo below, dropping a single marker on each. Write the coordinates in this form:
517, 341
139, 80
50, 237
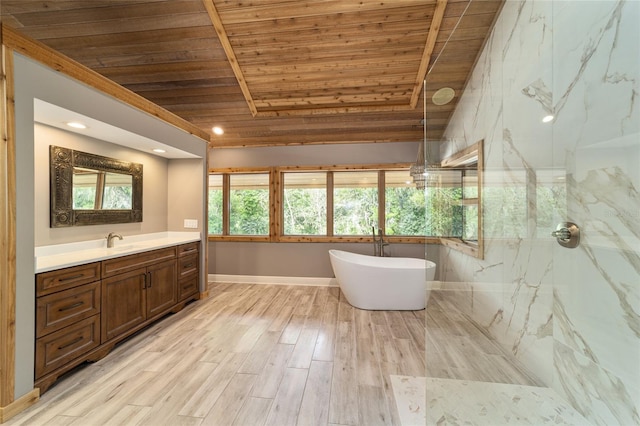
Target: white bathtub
382, 283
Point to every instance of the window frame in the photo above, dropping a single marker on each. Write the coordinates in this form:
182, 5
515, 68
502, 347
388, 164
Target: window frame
276, 196
226, 205
473, 154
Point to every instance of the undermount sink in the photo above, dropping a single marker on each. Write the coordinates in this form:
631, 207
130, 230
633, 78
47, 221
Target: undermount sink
125, 247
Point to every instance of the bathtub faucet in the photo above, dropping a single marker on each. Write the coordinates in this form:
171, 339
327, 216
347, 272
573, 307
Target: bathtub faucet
378, 242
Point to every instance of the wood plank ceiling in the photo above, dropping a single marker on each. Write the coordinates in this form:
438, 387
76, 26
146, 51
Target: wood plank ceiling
275, 72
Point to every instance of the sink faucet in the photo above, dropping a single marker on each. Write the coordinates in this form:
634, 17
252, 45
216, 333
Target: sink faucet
110, 238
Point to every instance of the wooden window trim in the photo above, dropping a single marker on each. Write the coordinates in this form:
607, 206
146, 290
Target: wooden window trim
276, 214
471, 248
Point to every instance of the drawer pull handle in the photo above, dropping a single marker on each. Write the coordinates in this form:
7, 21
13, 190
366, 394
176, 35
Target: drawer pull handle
188, 265
75, 305
73, 277
188, 250
73, 342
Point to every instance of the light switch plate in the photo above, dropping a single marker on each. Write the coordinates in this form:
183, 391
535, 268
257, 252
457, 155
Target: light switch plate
191, 223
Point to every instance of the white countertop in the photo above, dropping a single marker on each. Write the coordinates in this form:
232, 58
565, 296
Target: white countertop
49, 258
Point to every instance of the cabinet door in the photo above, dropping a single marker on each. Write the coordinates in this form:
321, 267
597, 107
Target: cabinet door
162, 289
124, 302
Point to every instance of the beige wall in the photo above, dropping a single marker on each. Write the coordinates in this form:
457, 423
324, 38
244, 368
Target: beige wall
320, 155
291, 259
186, 194
154, 192
301, 259
36, 81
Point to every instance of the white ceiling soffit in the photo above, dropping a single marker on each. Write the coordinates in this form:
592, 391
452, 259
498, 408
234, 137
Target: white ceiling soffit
56, 116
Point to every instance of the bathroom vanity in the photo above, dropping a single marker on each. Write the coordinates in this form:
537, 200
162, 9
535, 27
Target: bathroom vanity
90, 298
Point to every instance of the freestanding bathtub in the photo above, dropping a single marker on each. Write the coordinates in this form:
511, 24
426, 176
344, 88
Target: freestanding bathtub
382, 283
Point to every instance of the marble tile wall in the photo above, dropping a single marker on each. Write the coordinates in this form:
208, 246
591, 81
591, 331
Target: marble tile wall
572, 316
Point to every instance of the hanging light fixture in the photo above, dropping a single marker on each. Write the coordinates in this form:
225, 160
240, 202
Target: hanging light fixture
418, 170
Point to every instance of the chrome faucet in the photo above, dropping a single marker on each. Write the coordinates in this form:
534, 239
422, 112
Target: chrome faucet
110, 238
378, 243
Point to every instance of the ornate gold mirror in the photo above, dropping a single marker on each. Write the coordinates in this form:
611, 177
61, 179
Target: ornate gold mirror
89, 189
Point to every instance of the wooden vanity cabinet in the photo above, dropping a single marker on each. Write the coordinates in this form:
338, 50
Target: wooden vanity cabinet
67, 316
83, 311
136, 289
188, 270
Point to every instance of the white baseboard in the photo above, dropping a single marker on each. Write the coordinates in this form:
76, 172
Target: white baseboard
256, 279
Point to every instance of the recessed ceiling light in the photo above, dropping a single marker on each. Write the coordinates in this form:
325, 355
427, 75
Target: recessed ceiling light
218, 130
443, 96
547, 118
76, 125
159, 150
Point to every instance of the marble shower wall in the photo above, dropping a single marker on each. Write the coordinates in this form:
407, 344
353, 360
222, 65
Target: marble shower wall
572, 317
596, 308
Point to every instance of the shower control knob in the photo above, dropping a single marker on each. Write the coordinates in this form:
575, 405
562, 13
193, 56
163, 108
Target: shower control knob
567, 234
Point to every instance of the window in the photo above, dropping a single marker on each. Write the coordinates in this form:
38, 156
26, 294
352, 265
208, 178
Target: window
315, 204
249, 204
215, 205
239, 205
355, 202
454, 201
443, 203
304, 204
404, 205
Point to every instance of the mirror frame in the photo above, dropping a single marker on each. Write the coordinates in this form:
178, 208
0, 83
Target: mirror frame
454, 161
61, 164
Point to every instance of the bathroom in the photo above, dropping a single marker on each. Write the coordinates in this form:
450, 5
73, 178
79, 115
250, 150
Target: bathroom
569, 315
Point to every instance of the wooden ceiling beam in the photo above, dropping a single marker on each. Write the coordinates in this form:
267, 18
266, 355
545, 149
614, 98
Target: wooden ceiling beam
231, 56
308, 8
434, 29
420, 12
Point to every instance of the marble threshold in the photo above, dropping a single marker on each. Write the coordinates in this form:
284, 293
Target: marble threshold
434, 401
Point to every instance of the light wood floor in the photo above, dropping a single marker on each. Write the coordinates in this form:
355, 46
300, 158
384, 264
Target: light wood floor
267, 355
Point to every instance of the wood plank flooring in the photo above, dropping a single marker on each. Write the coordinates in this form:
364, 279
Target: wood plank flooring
268, 355
247, 355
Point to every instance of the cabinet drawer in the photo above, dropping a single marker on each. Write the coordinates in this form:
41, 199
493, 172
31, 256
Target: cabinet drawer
56, 349
189, 248
187, 287
61, 309
187, 265
129, 263
62, 279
